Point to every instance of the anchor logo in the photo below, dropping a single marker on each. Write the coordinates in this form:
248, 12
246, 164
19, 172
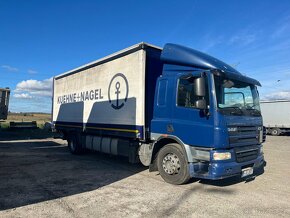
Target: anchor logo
121, 89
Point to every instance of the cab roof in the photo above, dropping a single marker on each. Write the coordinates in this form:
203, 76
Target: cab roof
180, 55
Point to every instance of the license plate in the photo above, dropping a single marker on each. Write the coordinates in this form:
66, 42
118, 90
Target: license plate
247, 171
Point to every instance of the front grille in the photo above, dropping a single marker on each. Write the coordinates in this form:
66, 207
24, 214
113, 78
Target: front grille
246, 153
244, 136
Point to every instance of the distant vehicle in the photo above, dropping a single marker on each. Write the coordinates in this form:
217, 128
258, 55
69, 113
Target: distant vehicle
276, 116
4, 102
177, 110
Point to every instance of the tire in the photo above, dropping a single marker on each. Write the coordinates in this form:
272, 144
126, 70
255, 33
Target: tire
172, 164
74, 144
275, 132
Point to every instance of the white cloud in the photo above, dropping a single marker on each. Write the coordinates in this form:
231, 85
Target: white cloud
246, 36
282, 29
282, 95
212, 42
22, 96
243, 38
35, 87
9, 68
32, 71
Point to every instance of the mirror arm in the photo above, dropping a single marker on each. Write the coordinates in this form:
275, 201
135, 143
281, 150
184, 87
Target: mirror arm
206, 112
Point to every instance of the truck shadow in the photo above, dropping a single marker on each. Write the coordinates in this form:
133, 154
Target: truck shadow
33, 172
38, 171
24, 134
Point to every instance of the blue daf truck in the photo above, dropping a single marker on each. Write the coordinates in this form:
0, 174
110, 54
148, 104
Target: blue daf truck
176, 110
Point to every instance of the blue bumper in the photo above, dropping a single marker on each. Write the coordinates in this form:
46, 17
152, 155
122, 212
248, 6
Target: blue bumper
221, 170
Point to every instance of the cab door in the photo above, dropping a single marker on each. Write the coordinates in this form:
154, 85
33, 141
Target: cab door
191, 125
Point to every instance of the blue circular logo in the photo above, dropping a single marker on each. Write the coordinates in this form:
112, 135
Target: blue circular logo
118, 91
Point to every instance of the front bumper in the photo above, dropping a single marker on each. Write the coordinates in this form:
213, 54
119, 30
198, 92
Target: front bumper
221, 170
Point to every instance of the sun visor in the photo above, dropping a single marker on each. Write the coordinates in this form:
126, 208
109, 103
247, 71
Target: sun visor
241, 78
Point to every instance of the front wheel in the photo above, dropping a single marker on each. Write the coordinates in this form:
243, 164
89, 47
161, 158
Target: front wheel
172, 164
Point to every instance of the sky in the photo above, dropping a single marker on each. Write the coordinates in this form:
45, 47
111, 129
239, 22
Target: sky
42, 39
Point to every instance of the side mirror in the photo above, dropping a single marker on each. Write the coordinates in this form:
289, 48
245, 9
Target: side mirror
201, 104
199, 87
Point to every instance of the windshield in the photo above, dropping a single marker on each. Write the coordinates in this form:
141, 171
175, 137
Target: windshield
236, 97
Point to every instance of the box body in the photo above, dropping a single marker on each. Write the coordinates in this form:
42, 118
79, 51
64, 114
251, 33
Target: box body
109, 96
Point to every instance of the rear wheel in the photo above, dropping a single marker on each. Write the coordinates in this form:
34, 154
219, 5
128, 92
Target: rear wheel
275, 132
172, 164
74, 144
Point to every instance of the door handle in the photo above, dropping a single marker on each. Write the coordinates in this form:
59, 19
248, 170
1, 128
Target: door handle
170, 128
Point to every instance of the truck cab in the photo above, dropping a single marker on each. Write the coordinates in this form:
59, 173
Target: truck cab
207, 121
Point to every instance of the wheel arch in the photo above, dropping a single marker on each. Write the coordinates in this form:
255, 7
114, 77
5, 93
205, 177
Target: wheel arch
164, 140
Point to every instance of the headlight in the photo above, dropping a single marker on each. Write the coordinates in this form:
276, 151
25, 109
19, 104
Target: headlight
222, 155
200, 154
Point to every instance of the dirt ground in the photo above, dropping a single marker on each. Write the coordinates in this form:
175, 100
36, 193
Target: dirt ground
40, 178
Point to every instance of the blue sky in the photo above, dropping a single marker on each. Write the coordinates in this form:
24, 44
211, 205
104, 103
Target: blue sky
40, 39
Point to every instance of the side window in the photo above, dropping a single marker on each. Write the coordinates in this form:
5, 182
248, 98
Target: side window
185, 93
185, 96
162, 91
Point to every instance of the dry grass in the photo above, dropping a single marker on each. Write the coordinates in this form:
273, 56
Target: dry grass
19, 134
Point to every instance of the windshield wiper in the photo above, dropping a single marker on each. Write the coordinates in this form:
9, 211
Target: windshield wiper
254, 111
237, 110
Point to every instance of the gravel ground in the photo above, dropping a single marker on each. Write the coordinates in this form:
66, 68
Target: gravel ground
40, 178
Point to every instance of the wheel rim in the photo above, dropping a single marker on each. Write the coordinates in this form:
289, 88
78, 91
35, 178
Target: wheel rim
171, 164
274, 132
